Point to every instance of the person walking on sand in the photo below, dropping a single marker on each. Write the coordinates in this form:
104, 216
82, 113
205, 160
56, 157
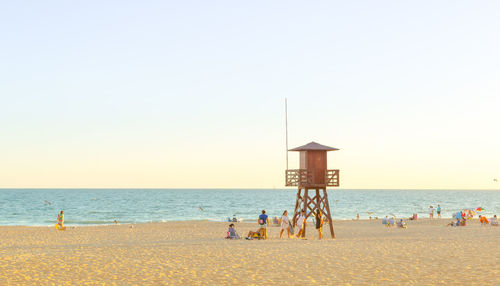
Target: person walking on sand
301, 220
263, 222
285, 224
319, 223
431, 212
438, 210
60, 220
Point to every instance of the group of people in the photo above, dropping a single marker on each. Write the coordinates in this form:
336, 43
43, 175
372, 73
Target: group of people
432, 209
389, 222
492, 221
461, 220
285, 224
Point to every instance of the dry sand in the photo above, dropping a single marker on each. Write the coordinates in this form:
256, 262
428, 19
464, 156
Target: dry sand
194, 253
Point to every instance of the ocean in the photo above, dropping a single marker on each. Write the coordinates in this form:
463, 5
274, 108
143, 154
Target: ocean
39, 207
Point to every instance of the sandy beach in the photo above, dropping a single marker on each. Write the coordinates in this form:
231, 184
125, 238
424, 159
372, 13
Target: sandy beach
195, 253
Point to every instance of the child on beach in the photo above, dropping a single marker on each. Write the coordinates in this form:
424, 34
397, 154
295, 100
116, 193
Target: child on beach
319, 223
439, 211
401, 224
285, 224
431, 212
231, 232
60, 221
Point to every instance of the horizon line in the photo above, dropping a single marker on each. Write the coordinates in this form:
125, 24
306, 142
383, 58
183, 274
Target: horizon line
227, 188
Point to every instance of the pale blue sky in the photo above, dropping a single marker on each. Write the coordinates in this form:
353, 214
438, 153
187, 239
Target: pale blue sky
190, 93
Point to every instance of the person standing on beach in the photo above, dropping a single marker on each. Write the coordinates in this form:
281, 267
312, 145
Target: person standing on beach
285, 224
263, 222
60, 220
431, 212
439, 211
300, 223
319, 223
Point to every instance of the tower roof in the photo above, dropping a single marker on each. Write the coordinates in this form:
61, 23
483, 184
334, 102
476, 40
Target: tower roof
313, 146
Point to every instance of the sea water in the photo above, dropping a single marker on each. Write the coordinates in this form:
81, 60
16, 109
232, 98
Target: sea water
103, 206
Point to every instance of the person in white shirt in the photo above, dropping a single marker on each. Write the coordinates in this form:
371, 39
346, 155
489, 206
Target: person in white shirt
431, 212
300, 223
285, 224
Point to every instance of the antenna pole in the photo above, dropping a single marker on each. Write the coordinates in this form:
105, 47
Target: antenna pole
286, 128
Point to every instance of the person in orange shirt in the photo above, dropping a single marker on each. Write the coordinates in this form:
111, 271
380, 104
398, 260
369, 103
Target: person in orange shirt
483, 220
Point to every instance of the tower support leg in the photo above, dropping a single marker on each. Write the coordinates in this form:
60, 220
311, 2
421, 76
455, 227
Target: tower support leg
328, 214
311, 205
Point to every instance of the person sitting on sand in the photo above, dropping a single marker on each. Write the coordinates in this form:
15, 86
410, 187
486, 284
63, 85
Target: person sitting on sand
463, 222
483, 220
319, 223
390, 222
385, 220
263, 222
494, 221
285, 224
254, 234
401, 224
231, 232
276, 221
301, 220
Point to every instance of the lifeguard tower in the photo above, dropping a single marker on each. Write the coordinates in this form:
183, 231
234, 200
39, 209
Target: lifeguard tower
312, 179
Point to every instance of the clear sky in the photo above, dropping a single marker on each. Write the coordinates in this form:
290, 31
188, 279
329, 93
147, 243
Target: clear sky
188, 94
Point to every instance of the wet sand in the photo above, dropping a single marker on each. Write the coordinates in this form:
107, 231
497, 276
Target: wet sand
194, 253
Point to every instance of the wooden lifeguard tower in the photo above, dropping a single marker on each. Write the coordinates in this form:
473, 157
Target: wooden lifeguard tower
312, 179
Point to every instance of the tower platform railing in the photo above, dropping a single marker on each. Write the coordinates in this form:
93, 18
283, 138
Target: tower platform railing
303, 178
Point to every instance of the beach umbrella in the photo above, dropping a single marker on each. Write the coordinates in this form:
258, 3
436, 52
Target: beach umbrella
479, 209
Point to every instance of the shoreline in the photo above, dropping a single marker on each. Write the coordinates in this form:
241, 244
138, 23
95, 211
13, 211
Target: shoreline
249, 221
202, 220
